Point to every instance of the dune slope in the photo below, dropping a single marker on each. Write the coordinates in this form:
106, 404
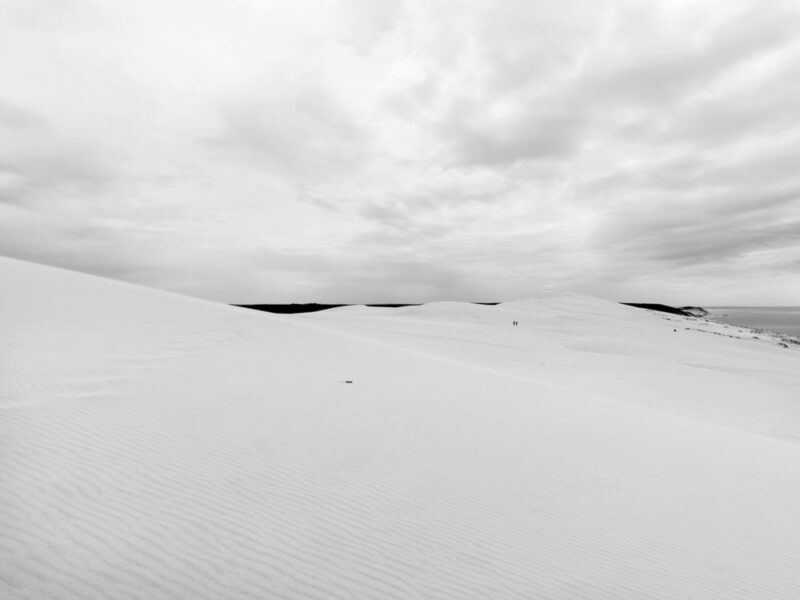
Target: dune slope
157, 446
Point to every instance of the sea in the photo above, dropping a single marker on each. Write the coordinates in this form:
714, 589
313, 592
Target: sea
783, 319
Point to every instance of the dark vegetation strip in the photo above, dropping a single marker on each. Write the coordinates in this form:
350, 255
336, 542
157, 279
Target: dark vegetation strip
288, 309
660, 307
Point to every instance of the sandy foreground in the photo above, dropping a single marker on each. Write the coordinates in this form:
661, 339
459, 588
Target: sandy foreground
157, 446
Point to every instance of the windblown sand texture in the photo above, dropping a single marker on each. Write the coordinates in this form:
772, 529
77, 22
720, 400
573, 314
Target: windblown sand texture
157, 446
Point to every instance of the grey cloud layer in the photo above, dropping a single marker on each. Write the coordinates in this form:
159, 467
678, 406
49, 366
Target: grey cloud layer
378, 151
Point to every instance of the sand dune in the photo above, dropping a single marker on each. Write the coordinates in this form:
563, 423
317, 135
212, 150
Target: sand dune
157, 446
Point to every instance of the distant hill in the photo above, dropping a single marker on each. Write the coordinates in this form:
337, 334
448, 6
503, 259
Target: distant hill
288, 309
664, 308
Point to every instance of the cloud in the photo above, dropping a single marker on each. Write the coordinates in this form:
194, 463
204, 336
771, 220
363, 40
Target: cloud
625, 74
722, 229
404, 150
37, 158
521, 133
298, 130
687, 53
370, 20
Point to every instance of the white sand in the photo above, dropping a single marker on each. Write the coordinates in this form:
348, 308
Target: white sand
156, 446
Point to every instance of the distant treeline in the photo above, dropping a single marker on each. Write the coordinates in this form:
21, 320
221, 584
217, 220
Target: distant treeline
288, 309
686, 311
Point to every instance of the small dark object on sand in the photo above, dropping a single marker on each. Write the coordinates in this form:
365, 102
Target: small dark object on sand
349, 381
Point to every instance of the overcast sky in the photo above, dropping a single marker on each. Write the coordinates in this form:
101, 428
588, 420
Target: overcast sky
371, 150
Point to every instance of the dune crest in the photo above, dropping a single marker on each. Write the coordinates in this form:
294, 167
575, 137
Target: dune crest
157, 446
